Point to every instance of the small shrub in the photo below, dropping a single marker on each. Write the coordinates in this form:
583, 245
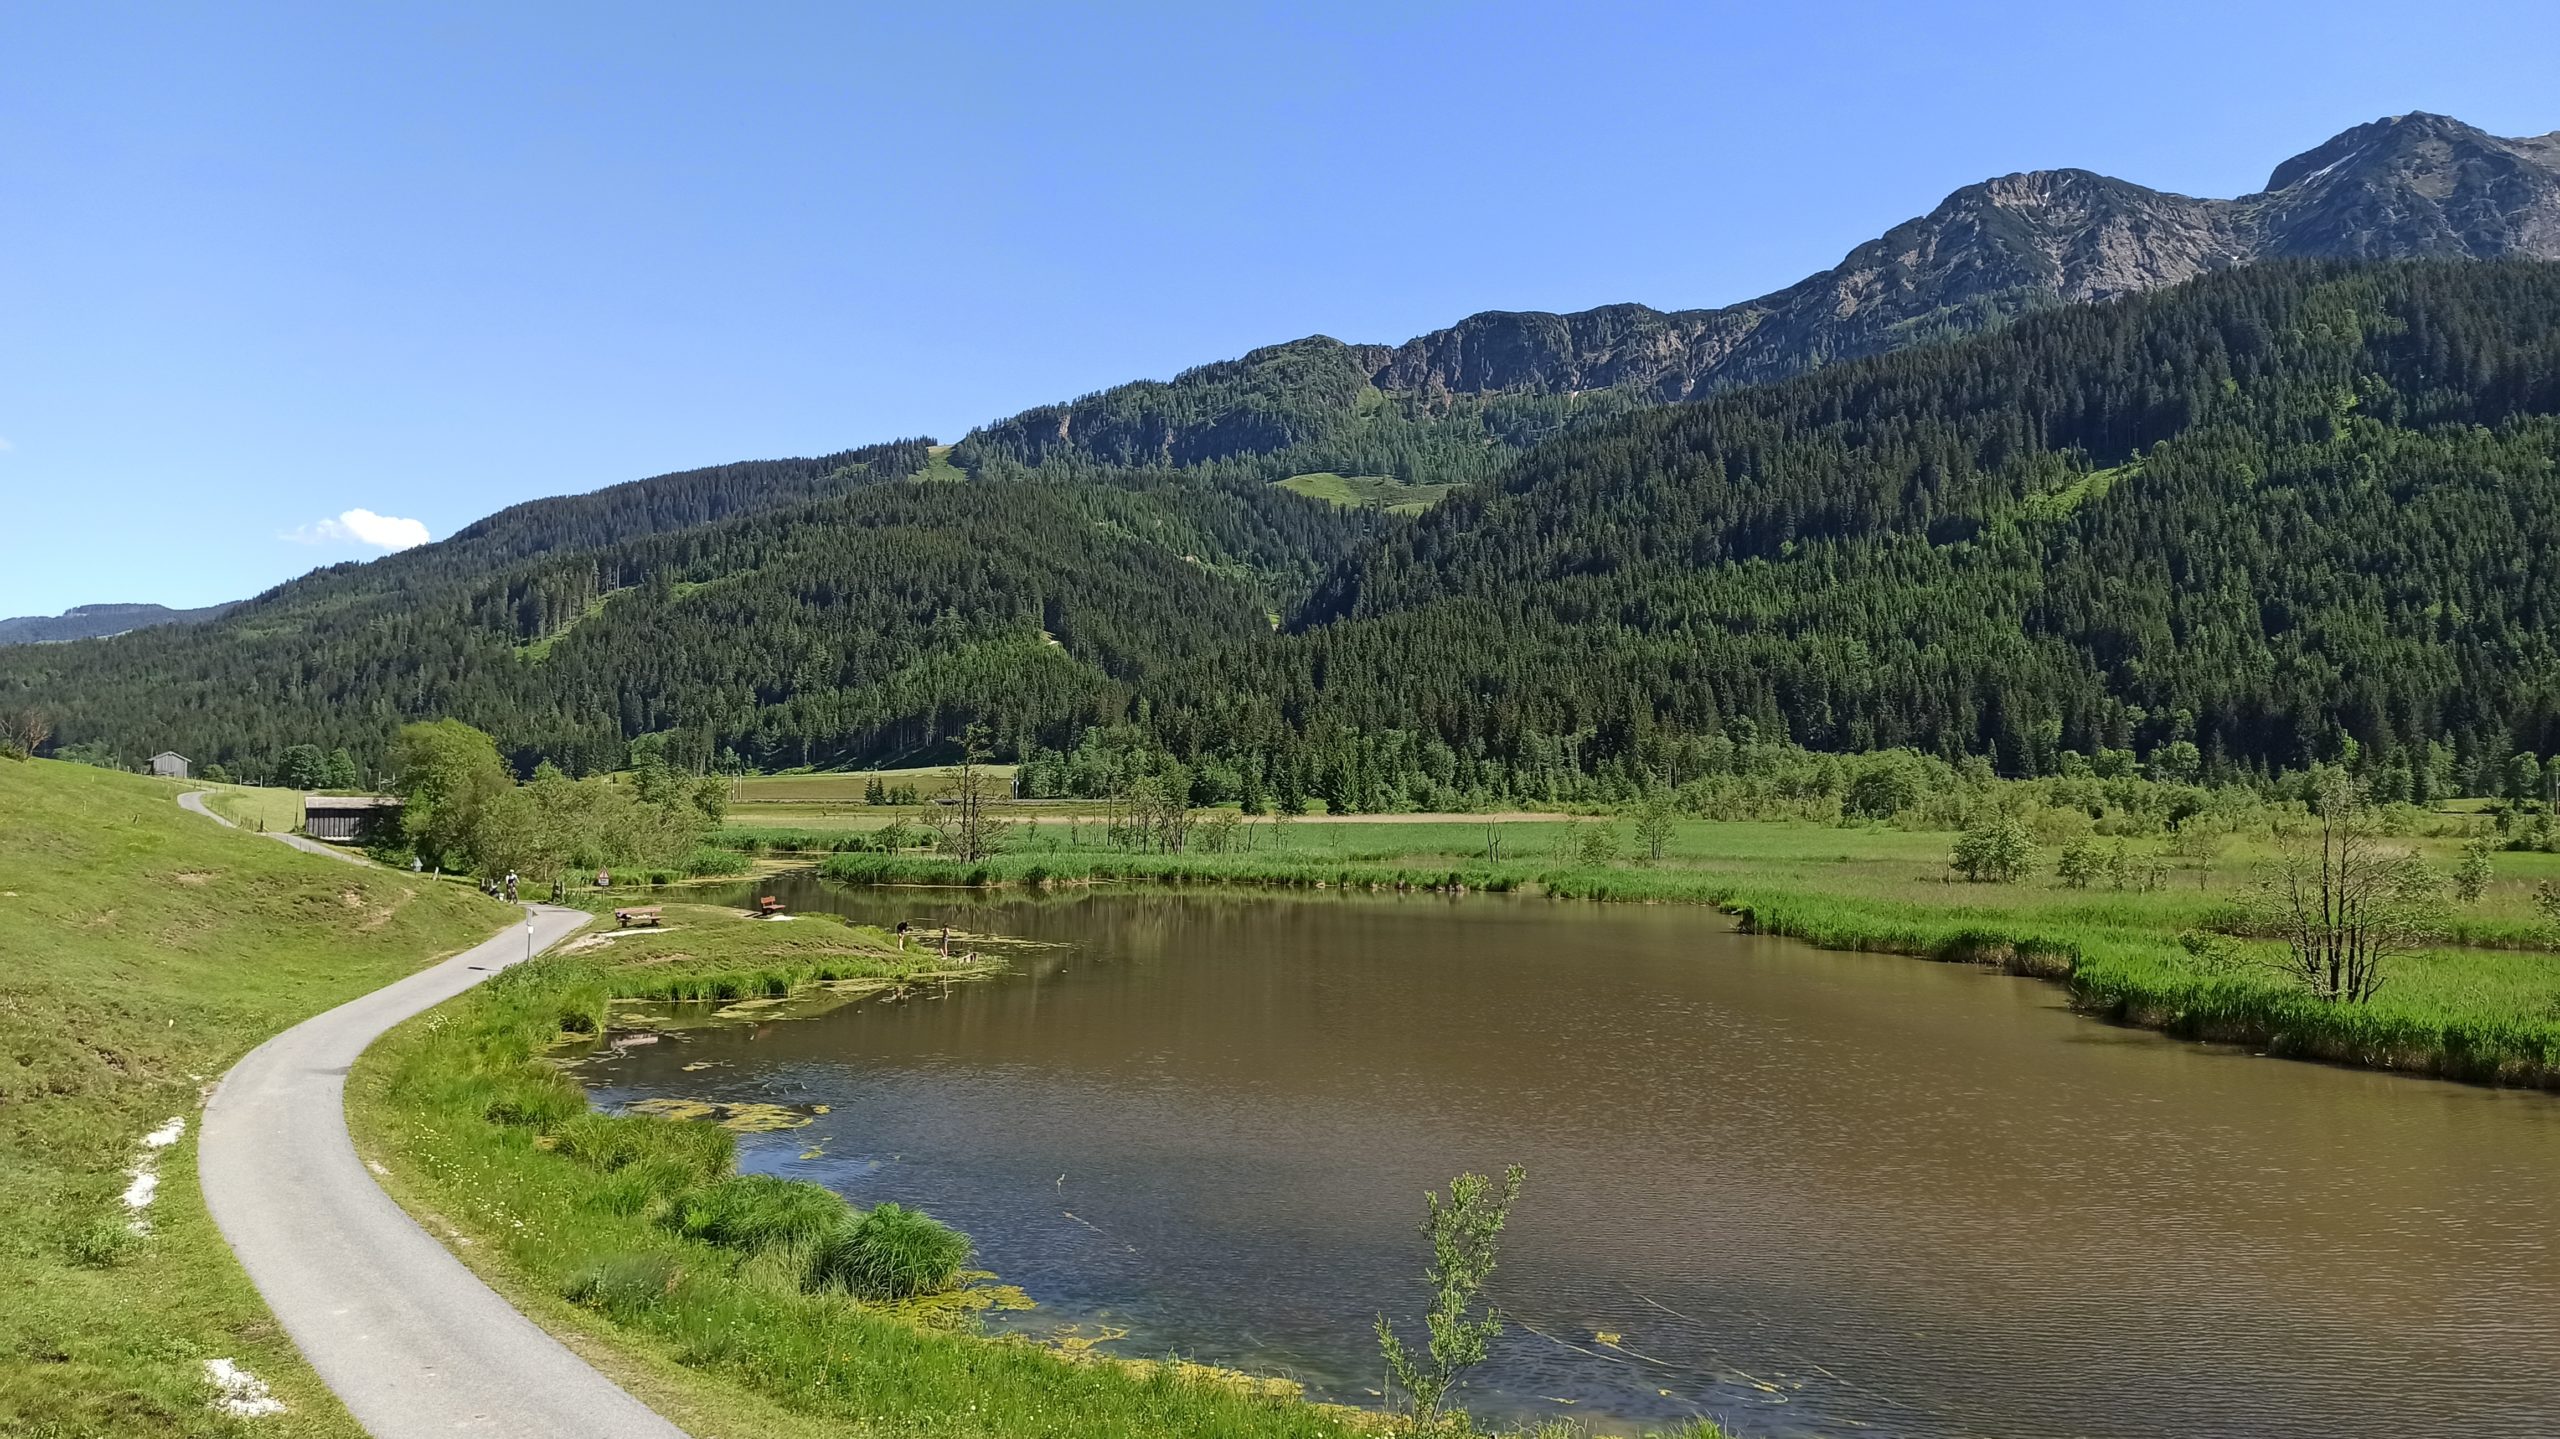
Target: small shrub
1465, 1231
536, 1105
755, 1212
890, 1253
1998, 850
2080, 863
2471, 877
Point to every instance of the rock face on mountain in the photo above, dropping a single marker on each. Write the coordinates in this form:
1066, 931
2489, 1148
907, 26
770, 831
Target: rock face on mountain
2413, 187
2416, 186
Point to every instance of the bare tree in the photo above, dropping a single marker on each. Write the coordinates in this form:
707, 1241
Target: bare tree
23, 733
2346, 904
962, 820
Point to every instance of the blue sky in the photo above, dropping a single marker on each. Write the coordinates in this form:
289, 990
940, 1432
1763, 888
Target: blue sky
274, 278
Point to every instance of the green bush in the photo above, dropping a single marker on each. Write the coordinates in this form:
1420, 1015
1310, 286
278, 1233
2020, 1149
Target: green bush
756, 1212
890, 1253
1999, 851
536, 1103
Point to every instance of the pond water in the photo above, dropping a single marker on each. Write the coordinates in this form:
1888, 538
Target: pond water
1805, 1192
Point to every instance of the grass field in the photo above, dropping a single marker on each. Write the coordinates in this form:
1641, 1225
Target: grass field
845, 787
255, 807
2484, 1005
142, 950
1383, 492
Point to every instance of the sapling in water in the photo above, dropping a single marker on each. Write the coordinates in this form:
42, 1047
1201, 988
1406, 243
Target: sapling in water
1465, 1229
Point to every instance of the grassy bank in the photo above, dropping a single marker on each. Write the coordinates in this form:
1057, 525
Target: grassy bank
142, 950
2485, 1006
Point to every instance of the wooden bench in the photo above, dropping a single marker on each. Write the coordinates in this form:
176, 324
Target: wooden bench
768, 906
637, 914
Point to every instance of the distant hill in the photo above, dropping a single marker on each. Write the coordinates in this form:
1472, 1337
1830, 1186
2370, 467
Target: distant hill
1446, 405
867, 622
89, 622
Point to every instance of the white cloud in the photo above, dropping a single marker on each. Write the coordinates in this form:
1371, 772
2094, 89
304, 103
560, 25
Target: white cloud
363, 527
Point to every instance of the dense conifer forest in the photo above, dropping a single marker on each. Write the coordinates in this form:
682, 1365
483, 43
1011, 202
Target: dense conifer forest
2286, 513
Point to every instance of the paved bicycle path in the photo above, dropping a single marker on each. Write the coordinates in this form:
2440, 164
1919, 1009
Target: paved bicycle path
413, 1342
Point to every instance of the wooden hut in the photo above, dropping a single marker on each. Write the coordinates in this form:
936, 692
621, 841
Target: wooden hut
347, 818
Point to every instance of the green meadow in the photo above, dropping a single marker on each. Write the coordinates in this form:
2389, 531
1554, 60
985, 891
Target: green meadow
1384, 492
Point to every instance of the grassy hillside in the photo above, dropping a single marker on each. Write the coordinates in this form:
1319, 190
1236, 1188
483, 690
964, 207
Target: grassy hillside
142, 950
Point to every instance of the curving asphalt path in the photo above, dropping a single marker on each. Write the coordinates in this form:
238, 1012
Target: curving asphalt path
193, 802
413, 1342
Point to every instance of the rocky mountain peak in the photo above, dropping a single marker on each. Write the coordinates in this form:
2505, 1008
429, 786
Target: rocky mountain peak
2414, 186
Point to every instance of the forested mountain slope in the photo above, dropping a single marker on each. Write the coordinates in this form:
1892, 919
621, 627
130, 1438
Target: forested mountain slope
615, 513
1445, 406
2270, 513
865, 624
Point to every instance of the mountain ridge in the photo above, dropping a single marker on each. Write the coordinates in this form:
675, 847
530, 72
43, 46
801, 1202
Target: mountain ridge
2415, 186
102, 621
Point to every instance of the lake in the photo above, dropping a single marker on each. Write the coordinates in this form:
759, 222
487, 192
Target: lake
1805, 1192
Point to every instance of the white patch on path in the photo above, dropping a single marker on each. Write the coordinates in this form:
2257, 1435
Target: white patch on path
237, 1391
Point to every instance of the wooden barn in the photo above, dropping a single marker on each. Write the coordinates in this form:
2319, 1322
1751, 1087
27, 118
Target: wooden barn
347, 818
169, 764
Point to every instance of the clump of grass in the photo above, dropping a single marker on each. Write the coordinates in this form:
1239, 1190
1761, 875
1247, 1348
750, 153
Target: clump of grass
621, 1283
647, 1158
103, 1244
891, 1253
756, 1212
